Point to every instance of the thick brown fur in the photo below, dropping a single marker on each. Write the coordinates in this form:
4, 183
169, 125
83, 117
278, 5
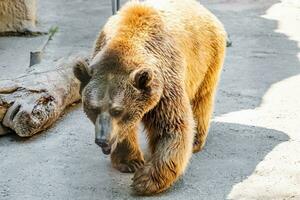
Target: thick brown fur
160, 60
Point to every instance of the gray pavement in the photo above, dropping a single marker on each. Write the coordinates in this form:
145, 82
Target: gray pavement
253, 148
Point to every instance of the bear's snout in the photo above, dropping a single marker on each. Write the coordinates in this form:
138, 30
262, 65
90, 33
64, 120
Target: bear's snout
102, 132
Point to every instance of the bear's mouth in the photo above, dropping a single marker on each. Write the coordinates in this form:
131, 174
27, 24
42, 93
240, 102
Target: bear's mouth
105, 147
106, 150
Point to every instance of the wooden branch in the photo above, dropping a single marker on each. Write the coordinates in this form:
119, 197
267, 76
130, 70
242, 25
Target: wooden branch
34, 101
36, 56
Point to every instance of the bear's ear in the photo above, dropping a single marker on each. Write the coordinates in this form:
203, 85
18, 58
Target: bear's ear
142, 78
80, 71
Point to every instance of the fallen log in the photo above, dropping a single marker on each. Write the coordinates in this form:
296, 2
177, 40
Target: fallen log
34, 101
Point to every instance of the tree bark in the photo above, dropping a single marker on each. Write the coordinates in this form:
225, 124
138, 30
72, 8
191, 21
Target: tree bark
34, 101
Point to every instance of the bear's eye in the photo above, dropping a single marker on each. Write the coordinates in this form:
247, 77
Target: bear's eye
116, 111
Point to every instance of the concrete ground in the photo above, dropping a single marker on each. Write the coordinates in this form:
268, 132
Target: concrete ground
253, 148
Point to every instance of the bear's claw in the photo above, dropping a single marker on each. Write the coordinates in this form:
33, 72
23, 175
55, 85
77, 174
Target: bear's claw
198, 144
144, 182
130, 166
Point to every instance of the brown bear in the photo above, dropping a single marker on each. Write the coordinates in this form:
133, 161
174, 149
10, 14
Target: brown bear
157, 62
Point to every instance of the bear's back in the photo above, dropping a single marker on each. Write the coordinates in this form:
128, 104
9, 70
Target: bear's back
198, 34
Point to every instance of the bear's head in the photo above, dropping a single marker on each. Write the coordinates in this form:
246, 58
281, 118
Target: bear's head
116, 96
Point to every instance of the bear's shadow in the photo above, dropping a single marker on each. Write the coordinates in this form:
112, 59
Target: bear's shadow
231, 154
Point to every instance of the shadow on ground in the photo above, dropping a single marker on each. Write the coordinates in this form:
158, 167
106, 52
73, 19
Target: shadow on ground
69, 165
259, 57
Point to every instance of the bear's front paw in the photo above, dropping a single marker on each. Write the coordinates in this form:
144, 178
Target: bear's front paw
129, 166
147, 181
125, 159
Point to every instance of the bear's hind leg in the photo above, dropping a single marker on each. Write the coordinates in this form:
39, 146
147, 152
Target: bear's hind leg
127, 157
202, 108
202, 103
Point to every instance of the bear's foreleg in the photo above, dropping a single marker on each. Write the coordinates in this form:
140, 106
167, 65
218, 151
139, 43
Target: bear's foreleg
171, 145
167, 164
127, 157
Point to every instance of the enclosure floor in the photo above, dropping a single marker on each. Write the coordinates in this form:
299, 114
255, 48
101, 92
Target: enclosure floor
253, 148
